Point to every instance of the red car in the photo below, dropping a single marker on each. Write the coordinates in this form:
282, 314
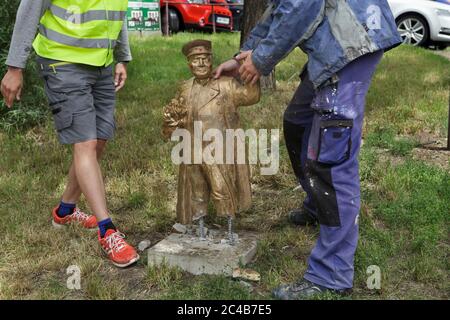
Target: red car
186, 14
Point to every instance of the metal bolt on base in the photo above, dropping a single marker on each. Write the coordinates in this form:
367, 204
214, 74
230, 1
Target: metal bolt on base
202, 229
230, 231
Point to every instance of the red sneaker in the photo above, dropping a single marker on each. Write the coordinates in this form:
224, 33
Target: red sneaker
119, 252
78, 216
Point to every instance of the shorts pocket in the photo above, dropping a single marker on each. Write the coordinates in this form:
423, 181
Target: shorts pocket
335, 141
62, 114
63, 121
62, 76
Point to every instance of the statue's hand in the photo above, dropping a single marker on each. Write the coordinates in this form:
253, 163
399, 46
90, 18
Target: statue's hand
182, 123
169, 126
169, 121
175, 116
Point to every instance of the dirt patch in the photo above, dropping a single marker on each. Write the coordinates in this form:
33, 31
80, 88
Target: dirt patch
384, 155
445, 54
433, 151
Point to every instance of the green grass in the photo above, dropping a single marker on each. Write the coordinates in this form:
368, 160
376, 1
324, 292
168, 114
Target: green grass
208, 288
387, 139
163, 276
404, 217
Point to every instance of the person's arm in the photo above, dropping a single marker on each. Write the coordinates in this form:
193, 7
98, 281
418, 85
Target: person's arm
293, 22
261, 30
27, 21
122, 52
122, 55
230, 68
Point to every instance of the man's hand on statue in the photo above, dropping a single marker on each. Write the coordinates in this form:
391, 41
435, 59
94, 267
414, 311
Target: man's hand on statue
11, 86
249, 73
244, 55
229, 68
120, 76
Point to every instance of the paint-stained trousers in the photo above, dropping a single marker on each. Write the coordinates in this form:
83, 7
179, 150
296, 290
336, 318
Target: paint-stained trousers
323, 130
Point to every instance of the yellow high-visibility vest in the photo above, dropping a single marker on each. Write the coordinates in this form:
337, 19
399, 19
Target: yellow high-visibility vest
81, 31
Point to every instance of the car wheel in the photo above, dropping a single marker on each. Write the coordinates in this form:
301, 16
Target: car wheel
413, 29
174, 21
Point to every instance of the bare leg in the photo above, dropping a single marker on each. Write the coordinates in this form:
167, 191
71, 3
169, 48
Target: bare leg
89, 177
73, 192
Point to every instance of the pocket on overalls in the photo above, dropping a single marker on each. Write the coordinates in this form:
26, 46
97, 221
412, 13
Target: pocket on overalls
335, 141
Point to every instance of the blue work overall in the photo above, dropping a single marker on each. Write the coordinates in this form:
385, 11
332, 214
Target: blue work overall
323, 129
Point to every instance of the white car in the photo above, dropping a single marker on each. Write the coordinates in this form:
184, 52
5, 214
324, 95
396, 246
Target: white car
423, 22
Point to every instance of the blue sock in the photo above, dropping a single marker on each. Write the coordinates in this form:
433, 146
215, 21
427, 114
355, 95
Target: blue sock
65, 209
105, 225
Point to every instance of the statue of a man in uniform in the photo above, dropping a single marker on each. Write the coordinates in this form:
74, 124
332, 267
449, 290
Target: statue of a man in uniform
205, 103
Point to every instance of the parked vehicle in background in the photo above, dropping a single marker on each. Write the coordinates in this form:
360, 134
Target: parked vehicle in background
196, 14
237, 8
423, 22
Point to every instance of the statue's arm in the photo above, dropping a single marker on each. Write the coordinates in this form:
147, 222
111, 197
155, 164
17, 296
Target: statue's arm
245, 94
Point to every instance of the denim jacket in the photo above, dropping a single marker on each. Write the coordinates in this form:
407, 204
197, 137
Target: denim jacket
332, 33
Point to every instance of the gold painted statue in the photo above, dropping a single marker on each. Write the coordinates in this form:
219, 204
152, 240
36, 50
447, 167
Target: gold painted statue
205, 103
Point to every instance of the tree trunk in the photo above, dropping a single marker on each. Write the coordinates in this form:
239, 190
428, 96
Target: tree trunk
253, 10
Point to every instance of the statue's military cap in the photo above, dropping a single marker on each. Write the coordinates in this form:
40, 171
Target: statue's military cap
197, 47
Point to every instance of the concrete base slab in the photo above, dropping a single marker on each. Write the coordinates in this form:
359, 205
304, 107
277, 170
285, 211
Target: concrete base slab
214, 255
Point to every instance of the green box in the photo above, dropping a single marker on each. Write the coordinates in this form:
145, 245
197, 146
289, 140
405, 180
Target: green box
144, 15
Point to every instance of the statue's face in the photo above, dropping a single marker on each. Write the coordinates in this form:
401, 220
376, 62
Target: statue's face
201, 65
